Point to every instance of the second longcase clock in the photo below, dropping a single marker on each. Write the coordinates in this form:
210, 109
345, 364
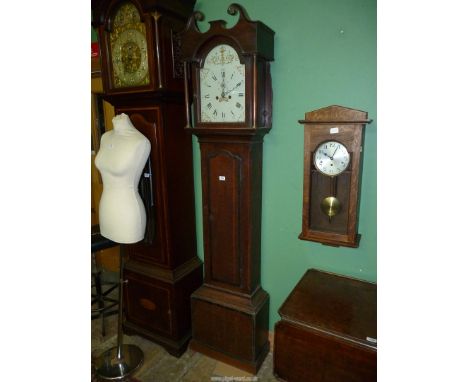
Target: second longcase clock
228, 79
143, 77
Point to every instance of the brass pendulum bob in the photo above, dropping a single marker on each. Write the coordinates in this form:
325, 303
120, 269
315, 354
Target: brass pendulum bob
331, 206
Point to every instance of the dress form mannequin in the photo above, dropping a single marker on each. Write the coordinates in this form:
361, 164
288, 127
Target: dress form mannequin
120, 160
122, 219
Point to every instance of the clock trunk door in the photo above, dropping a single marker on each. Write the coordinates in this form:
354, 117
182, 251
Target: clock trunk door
222, 204
150, 249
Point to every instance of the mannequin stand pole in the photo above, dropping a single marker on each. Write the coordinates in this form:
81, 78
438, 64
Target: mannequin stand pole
119, 362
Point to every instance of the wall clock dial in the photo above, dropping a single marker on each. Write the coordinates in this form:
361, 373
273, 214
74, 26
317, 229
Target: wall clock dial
222, 86
331, 158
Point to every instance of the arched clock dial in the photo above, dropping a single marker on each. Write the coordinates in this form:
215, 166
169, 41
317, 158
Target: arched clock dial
128, 48
130, 58
222, 86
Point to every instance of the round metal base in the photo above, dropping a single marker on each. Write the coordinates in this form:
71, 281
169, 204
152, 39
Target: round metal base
108, 367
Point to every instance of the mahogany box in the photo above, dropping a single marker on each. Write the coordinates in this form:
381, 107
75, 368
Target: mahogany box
327, 331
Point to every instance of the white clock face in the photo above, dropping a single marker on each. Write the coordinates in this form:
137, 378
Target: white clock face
331, 158
222, 86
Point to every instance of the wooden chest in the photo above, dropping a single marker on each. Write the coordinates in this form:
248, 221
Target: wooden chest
328, 331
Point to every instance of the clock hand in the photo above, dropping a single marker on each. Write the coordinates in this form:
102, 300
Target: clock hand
223, 84
334, 153
234, 88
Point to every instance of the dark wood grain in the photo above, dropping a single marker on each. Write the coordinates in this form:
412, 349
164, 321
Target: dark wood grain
342, 229
230, 312
328, 324
163, 270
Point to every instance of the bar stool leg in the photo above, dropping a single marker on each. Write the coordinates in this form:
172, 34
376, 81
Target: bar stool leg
119, 362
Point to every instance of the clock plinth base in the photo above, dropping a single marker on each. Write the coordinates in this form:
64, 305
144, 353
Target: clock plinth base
157, 302
173, 347
249, 367
231, 328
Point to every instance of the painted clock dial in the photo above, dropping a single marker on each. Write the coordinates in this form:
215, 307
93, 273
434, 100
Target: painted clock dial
222, 86
331, 158
129, 51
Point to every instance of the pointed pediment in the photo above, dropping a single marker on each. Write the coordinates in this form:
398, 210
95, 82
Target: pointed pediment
335, 113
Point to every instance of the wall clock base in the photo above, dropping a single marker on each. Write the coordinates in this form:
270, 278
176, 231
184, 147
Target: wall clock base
351, 241
231, 328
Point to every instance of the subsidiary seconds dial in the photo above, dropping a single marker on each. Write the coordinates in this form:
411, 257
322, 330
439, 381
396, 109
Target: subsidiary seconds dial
331, 158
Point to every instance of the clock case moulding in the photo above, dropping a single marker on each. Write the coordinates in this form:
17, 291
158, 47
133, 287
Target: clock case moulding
230, 312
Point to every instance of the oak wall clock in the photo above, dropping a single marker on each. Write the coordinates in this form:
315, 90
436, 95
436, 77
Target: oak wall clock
143, 77
227, 78
332, 168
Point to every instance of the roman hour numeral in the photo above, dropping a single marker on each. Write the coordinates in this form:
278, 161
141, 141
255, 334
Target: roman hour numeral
207, 96
240, 94
238, 104
215, 112
214, 77
209, 105
223, 115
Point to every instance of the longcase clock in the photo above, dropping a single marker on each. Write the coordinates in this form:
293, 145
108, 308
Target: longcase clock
228, 83
143, 77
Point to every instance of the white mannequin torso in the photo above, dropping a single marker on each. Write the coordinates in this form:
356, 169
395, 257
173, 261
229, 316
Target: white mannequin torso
121, 158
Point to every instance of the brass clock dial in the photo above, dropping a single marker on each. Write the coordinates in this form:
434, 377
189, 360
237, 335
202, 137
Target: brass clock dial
129, 51
222, 86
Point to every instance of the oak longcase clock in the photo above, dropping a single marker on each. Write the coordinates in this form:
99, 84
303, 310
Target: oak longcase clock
228, 87
143, 77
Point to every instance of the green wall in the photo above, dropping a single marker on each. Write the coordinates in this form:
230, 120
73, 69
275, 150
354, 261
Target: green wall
325, 54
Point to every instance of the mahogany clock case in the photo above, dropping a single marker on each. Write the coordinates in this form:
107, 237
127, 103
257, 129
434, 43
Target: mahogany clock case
163, 270
163, 19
